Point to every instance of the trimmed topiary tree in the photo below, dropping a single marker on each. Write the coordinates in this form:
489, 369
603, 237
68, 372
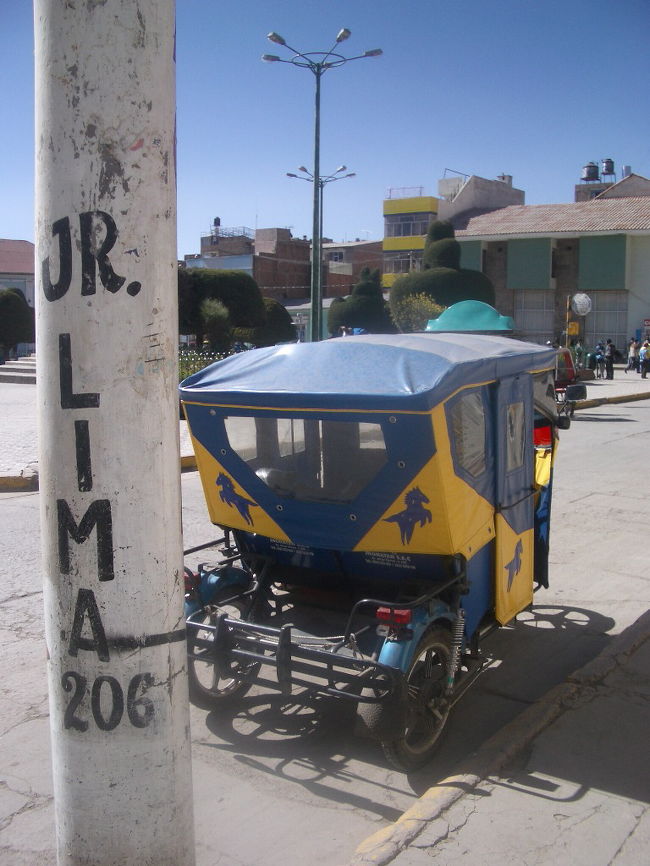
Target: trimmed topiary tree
216, 324
16, 319
278, 327
441, 278
364, 308
236, 290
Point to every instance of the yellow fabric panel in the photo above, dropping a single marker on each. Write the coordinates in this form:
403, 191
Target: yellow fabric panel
452, 518
228, 503
416, 204
412, 242
513, 589
469, 515
413, 523
543, 465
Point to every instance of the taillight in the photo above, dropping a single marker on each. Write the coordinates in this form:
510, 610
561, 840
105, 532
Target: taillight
394, 615
192, 581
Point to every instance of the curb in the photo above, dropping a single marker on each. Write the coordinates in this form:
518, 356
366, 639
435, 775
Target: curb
384, 845
29, 483
18, 483
628, 398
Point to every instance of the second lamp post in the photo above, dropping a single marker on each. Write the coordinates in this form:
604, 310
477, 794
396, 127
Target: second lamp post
317, 62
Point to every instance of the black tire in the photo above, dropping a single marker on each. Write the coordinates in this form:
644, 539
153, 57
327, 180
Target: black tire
207, 690
428, 707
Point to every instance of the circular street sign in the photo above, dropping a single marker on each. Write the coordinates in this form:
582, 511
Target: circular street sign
581, 304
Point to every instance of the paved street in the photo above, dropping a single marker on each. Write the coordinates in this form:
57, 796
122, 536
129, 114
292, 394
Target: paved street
276, 784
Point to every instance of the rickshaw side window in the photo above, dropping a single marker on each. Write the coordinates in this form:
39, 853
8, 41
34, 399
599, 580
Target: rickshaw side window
309, 459
467, 432
515, 436
544, 393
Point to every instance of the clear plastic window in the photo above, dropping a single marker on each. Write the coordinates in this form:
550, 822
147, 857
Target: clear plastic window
467, 430
515, 436
309, 458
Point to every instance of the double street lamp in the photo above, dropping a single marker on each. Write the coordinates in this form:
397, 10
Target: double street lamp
320, 182
317, 62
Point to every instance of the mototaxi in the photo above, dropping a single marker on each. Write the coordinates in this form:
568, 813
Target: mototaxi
386, 501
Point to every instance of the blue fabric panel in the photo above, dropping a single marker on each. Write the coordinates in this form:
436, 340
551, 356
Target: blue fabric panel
371, 371
480, 597
409, 445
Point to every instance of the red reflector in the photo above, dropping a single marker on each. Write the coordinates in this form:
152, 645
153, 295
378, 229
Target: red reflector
192, 581
395, 615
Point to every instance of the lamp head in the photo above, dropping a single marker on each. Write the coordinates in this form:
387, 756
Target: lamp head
270, 58
374, 52
275, 37
343, 34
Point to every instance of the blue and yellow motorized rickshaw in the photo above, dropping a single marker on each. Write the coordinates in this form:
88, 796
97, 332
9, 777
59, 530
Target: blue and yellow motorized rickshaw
387, 503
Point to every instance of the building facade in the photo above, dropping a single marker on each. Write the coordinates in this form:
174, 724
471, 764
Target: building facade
281, 264
17, 267
407, 216
539, 256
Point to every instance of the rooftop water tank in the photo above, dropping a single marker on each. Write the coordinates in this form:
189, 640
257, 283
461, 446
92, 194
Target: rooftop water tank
607, 166
590, 172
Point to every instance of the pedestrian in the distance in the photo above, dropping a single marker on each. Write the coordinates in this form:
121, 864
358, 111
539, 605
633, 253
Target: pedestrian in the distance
610, 351
633, 356
644, 359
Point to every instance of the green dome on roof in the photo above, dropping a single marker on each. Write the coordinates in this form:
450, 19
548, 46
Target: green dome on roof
471, 316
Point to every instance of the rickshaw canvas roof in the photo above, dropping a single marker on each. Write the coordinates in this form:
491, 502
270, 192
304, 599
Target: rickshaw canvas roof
372, 371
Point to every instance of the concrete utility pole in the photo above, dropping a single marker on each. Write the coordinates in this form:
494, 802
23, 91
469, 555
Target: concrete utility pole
108, 417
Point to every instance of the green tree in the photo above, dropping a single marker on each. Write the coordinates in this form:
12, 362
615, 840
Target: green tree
236, 290
277, 328
441, 277
364, 308
216, 324
414, 311
16, 319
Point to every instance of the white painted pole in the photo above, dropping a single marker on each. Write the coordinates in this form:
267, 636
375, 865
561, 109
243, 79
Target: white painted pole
108, 416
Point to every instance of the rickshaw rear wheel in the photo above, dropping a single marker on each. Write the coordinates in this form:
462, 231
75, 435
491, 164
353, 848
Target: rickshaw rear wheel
428, 706
208, 690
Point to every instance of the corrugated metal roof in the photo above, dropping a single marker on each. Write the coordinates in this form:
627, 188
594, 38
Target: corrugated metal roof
16, 257
596, 215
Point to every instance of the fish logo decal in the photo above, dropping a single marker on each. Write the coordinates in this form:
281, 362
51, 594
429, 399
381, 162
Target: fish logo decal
414, 514
232, 499
514, 566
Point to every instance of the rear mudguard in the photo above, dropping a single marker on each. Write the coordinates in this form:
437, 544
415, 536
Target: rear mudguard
213, 581
398, 653
382, 720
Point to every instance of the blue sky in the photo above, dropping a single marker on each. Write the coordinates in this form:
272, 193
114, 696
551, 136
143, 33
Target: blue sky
531, 88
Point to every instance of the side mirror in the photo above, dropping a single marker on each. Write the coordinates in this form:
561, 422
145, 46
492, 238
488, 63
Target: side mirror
576, 392
563, 422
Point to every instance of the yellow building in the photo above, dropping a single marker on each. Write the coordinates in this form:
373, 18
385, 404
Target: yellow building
406, 220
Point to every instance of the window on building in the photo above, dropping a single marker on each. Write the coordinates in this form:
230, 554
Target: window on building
534, 314
607, 319
403, 262
335, 256
405, 225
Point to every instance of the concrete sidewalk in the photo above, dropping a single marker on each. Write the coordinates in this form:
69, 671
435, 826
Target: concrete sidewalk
567, 782
18, 424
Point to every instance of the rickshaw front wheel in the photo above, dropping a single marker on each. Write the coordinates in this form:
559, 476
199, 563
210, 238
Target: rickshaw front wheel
428, 706
207, 689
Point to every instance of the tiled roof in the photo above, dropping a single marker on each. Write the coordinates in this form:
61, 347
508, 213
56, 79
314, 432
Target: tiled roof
596, 215
16, 257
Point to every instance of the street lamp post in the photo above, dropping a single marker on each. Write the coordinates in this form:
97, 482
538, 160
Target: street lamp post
317, 62
317, 308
